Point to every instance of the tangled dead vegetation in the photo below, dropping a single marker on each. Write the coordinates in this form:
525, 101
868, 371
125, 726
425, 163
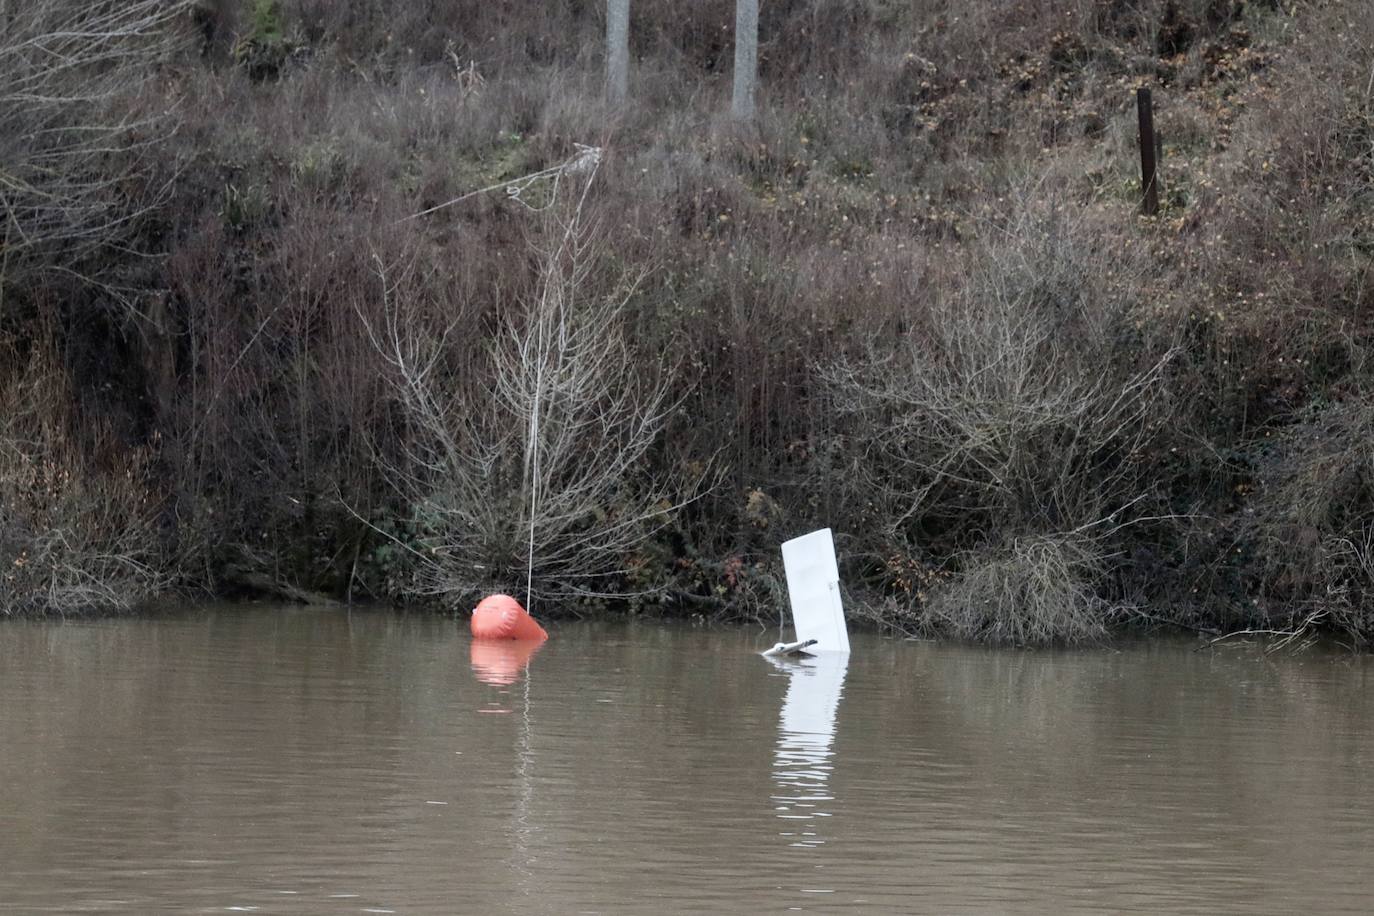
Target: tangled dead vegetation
78, 527
912, 299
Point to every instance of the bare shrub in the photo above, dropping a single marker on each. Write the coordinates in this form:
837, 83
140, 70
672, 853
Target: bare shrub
279, 396
1350, 592
528, 460
1031, 590
1309, 533
72, 147
77, 533
1010, 428
1011, 403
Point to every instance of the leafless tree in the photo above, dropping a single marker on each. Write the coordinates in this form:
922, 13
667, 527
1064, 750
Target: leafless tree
71, 145
746, 59
538, 475
617, 50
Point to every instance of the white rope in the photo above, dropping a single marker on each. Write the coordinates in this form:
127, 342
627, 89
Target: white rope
585, 160
584, 163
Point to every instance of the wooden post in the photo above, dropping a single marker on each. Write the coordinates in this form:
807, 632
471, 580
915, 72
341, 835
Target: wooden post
1149, 172
617, 51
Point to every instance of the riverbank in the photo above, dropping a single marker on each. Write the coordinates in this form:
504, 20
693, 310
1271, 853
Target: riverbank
913, 300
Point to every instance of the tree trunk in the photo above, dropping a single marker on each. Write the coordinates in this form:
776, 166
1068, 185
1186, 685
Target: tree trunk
746, 58
617, 50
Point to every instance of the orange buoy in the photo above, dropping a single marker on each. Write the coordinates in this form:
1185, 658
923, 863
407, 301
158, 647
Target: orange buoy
500, 662
502, 617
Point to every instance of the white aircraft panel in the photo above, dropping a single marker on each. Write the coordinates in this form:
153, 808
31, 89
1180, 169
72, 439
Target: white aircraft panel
813, 587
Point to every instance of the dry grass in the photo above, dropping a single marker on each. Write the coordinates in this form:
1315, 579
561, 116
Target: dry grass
1030, 591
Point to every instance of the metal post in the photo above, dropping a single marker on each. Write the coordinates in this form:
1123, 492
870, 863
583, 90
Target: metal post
1149, 173
617, 51
746, 59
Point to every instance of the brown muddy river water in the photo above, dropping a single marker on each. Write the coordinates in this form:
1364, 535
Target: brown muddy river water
306, 761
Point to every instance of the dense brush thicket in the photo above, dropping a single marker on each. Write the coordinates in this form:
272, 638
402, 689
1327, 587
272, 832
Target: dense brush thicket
913, 300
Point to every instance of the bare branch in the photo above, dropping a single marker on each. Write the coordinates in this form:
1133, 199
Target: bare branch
70, 148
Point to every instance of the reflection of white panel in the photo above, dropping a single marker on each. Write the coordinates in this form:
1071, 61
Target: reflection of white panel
804, 759
813, 586
813, 696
